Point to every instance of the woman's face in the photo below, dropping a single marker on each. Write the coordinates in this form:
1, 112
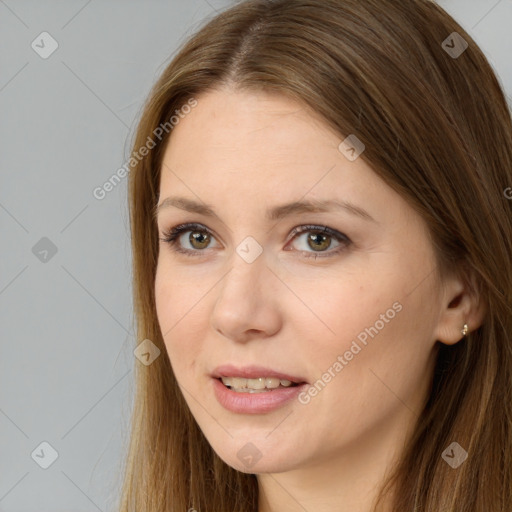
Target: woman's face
352, 311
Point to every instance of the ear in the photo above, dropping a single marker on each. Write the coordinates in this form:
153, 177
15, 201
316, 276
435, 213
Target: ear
461, 304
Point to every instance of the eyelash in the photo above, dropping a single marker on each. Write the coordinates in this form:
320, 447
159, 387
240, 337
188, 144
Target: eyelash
172, 235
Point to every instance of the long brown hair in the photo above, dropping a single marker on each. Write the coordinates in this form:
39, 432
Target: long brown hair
437, 128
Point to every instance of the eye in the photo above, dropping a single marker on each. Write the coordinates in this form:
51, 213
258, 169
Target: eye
199, 237
319, 239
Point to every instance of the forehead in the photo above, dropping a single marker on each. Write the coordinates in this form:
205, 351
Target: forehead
235, 120
245, 151
252, 137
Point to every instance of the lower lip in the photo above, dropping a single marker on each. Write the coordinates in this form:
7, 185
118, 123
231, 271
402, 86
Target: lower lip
255, 403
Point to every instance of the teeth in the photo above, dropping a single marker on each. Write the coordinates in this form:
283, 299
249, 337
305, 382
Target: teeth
254, 385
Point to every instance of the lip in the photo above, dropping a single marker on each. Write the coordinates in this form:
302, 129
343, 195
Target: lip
253, 372
255, 403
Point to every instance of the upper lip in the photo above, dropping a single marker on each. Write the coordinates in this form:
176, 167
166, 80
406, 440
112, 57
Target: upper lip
253, 372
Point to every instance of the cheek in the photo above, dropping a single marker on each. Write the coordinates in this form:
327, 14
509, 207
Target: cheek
380, 356
177, 295
362, 322
335, 309
179, 311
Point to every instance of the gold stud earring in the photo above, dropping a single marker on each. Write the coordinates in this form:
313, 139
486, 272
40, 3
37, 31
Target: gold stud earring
464, 330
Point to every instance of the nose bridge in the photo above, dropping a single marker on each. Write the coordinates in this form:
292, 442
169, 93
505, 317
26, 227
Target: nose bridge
244, 300
248, 270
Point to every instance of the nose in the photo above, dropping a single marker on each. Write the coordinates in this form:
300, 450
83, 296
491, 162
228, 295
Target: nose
247, 302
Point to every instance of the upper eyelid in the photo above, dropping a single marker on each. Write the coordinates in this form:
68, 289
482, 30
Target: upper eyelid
190, 226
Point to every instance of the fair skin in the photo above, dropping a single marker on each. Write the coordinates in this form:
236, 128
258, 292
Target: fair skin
243, 153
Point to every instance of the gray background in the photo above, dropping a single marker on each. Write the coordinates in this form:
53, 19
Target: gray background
66, 362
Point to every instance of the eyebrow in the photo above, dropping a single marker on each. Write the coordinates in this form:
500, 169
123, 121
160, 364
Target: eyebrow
273, 214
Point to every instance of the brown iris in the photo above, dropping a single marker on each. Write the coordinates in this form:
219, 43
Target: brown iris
201, 238
319, 241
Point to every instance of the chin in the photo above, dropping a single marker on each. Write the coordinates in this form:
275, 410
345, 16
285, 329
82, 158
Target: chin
248, 459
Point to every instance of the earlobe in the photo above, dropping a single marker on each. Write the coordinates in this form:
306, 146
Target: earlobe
462, 313
450, 330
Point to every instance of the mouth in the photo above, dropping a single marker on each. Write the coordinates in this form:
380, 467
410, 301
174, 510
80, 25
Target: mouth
255, 379
255, 389
258, 385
